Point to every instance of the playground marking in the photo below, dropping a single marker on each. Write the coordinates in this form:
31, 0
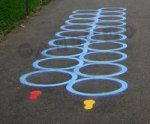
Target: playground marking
89, 104
34, 95
103, 18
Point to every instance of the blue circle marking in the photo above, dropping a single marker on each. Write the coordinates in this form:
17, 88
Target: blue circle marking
122, 88
37, 63
123, 46
123, 57
91, 21
66, 27
120, 9
45, 52
122, 37
117, 13
120, 30
24, 78
53, 42
122, 70
121, 18
86, 11
75, 16
61, 34
118, 23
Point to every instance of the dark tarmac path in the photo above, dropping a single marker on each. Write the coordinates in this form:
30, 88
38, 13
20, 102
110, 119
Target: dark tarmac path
56, 105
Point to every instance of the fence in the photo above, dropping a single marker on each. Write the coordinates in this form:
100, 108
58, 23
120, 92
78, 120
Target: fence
11, 11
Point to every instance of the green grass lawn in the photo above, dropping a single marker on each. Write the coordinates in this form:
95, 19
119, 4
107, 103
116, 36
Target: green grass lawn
12, 11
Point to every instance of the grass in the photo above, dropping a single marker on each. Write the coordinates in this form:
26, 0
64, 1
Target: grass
12, 11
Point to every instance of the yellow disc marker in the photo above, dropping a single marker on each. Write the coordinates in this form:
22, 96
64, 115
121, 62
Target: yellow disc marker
89, 104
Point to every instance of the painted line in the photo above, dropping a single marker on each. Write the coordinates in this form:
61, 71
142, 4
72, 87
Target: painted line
123, 87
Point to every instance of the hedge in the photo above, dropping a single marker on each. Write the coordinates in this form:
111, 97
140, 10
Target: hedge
12, 11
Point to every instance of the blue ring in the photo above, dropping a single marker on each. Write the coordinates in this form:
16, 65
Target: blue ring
122, 30
123, 69
72, 23
123, 87
44, 52
121, 25
23, 79
122, 37
59, 34
123, 57
84, 14
36, 64
74, 16
111, 16
119, 9
52, 42
64, 27
116, 49
122, 18
86, 11
121, 13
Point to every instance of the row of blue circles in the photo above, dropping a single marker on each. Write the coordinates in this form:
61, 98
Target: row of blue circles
93, 33
87, 36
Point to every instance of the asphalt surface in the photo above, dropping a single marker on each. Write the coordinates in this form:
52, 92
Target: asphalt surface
56, 105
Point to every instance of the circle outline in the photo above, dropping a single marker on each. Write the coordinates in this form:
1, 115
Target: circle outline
44, 52
123, 87
67, 29
52, 42
122, 13
72, 23
121, 25
59, 34
79, 14
115, 49
123, 69
36, 64
122, 30
85, 10
122, 18
105, 9
24, 81
123, 57
123, 37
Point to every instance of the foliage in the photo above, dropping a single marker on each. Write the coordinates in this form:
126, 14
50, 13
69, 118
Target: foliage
11, 11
